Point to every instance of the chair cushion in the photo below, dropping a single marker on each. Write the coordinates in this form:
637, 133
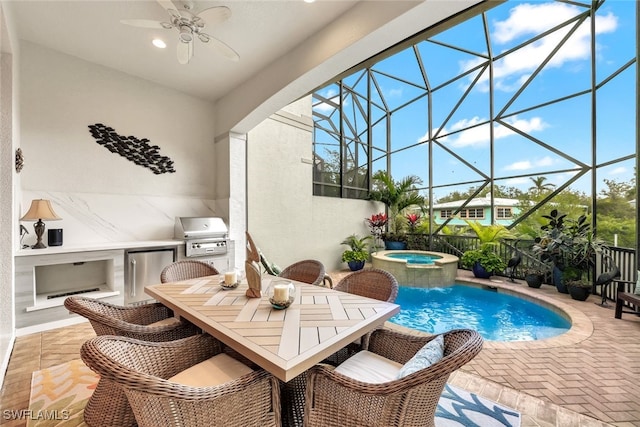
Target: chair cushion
369, 367
429, 354
637, 290
166, 322
216, 370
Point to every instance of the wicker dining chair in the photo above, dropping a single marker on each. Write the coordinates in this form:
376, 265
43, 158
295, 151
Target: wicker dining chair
108, 405
334, 399
185, 270
145, 370
307, 271
372, 283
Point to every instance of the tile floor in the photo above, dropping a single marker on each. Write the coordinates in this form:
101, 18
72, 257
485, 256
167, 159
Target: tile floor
584, 378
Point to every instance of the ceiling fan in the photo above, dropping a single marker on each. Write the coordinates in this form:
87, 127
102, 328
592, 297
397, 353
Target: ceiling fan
190, 27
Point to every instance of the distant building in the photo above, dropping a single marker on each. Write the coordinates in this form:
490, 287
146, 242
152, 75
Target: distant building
478, 209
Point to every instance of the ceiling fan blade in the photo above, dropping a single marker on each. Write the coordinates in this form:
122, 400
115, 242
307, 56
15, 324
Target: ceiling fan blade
170, 8
185, 52
142, 23
214, 15
219, 46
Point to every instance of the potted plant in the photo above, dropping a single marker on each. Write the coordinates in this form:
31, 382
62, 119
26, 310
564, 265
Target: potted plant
534, 277
397, 196
484, 261
571, 245
579, 289
358, 252
377, 223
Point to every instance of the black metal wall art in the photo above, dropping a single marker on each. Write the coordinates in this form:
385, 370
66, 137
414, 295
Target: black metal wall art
19, 160
133, 149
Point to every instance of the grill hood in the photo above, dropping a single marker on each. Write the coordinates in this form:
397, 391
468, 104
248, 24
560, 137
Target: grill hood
189, 228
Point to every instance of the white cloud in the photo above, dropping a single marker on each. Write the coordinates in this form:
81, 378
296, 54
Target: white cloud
618, 171
479, 136
332, 95
519, 166
518, 181
528, 164
545, 161
531, 19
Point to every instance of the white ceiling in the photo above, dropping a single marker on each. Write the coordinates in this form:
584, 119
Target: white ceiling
286, 47
258, 30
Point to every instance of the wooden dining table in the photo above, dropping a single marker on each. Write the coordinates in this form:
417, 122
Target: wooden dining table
285, 342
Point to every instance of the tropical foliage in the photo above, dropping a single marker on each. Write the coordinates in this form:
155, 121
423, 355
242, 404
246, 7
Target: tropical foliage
570, 244
485, 254
358, 248
397, 196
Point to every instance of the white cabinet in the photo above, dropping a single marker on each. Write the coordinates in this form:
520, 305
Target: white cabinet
43, 281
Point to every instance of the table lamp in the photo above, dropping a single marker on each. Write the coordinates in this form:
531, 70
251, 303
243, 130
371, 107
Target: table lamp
40, 209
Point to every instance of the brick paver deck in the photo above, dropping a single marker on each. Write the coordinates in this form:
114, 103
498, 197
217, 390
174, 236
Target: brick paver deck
586, 377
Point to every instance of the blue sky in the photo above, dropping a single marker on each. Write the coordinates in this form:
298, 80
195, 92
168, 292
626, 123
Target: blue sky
564, 126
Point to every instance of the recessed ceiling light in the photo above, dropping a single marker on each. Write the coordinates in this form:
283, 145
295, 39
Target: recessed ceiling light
309, 1
159, 43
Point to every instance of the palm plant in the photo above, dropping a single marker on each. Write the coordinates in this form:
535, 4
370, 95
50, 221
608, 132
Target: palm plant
396, 195
540, 186
485, 255
358, 252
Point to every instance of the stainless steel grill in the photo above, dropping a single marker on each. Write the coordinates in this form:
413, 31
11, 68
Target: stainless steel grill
203, 236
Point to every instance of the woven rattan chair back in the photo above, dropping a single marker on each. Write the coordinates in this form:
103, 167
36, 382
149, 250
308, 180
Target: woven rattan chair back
142, 370
409, 402
185, 270
129, 321
307, 271
371, 283
108, 405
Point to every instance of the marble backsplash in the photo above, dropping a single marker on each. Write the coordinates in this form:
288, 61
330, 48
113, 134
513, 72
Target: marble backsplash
90, 218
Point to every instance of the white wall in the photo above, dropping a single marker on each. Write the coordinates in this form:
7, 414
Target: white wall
102, 196
286, 221
7, 220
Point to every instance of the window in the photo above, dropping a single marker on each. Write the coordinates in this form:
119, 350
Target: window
446, 213
475, 213
504, 213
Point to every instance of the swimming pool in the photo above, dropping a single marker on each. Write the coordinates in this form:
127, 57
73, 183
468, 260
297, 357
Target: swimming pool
415, 258
495, 315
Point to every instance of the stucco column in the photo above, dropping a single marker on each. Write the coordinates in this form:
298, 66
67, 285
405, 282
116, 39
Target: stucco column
231, 187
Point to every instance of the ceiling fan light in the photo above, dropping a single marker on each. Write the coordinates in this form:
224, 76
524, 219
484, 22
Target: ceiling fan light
159, 43
186, 35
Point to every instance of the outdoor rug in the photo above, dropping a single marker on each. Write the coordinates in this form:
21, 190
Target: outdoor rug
60, 393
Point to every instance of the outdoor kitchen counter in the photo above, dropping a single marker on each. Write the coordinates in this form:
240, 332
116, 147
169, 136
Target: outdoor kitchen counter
44, 276
101, 246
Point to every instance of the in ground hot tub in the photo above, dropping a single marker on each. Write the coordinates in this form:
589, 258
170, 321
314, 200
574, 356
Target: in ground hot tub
418, 268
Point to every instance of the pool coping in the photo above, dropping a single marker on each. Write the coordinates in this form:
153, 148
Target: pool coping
443, 259
581, 325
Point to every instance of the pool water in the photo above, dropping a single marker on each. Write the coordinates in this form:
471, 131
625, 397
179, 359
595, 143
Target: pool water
413, 258
496, 316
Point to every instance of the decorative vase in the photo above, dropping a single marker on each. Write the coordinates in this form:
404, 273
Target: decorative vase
534, 280
392, 245
355, 265
557, 280
480, 272
579, 293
